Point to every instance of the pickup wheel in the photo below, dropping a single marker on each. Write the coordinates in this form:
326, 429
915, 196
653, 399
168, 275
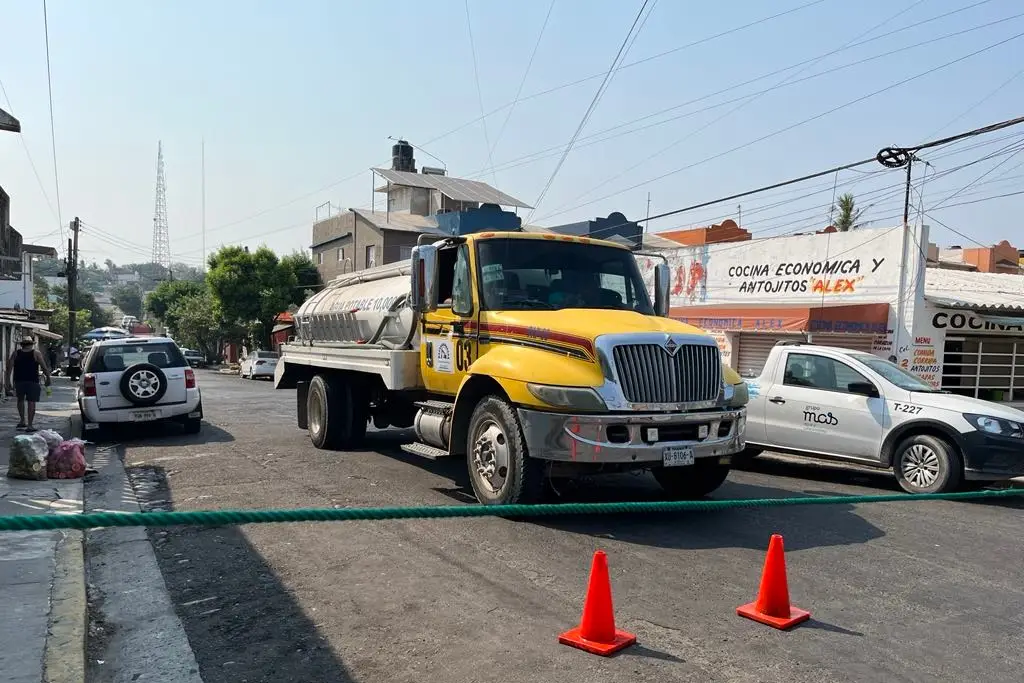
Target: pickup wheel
927, 464
337, 413
500, 468
696, 481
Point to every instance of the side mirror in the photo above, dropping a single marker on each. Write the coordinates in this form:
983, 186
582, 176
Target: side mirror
662, 282
424, 278
863, 388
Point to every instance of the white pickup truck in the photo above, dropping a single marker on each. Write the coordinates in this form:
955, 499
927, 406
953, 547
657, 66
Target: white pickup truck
838, 404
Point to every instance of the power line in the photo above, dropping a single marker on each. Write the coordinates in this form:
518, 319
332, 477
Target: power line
53, 135
744, 103
479, 92
820, 115
522, 82
35, 170
592, 139
977, 104
590, 110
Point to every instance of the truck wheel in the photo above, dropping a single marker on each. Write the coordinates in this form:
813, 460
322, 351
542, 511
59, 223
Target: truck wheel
927, 464
500, 469
691, 482
336, 412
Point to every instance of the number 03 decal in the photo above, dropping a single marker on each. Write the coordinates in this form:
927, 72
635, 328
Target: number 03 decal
463, 354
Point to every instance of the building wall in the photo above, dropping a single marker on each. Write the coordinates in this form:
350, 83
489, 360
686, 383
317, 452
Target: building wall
325, 255
726, 231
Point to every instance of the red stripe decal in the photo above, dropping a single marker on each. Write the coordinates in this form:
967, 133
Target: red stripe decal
537, 333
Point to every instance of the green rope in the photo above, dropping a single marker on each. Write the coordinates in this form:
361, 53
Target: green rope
94, 520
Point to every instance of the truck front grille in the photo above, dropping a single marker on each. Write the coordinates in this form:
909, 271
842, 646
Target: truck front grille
649, 374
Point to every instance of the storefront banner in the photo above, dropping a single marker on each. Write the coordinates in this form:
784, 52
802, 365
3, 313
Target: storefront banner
849, 267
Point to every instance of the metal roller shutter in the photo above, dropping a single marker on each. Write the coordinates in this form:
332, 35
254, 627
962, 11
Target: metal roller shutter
989, 368
754, 350
854, 342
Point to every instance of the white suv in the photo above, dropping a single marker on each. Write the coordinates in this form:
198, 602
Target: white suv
138, 379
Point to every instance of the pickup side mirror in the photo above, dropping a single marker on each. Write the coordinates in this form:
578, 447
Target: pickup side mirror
662, 282
863, 388
424, 278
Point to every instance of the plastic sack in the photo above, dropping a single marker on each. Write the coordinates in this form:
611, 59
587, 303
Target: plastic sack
67, 461
53, 439
28, 457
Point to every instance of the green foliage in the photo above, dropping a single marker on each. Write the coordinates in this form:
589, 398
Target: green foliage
166, 293
847, 215
306, 275
128, 298
84, 301
251, 288
195, 322
59, 321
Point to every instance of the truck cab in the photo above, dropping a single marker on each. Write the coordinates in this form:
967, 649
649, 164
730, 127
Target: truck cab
834, 403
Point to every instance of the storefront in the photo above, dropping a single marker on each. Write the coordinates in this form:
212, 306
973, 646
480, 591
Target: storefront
838, 289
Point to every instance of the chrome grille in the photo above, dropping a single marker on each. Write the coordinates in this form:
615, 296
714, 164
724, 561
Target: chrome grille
649, 374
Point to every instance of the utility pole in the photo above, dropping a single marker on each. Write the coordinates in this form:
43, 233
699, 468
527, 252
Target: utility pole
72, 273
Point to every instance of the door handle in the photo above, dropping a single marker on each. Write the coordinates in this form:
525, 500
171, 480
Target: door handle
777, 399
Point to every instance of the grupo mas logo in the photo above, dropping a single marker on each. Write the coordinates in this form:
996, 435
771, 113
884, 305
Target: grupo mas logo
815, 417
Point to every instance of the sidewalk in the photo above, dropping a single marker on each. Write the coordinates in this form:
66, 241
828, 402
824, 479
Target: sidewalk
40, 569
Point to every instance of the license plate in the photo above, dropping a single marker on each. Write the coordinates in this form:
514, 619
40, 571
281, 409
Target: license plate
677, 457
143, 415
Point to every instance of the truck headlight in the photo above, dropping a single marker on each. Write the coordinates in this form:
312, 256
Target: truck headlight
996, 425
576, 398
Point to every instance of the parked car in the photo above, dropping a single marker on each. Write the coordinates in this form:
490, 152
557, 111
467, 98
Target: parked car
195, 358
833, 403
258, 364
138, 379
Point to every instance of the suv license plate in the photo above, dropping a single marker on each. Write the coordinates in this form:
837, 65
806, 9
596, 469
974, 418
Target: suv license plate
677, 457
144, 415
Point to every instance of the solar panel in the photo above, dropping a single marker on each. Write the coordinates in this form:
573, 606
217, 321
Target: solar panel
459, 189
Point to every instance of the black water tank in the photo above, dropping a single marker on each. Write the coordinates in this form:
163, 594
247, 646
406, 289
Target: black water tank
401, 157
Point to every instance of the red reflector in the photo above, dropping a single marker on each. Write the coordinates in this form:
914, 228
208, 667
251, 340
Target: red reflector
190, 379
89, 384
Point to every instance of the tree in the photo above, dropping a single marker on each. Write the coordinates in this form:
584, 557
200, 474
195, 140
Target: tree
59, 320
128, 298
84, 301
167, 293
848, 216
306, 275
251, 289
195, 322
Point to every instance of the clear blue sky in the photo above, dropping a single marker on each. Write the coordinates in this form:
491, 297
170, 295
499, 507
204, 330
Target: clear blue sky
292, 97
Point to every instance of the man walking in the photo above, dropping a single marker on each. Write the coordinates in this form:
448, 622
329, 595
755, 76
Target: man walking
23, 372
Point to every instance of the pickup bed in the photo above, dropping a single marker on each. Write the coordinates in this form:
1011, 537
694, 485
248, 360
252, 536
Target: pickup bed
832, 403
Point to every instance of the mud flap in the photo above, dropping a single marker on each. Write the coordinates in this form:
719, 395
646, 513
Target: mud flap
301, 409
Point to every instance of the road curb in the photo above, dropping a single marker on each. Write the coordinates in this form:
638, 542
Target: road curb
64, 654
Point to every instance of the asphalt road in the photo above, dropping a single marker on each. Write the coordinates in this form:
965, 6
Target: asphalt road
898, 591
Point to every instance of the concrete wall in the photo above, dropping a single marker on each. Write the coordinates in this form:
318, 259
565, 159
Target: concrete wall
325, 255
358, 238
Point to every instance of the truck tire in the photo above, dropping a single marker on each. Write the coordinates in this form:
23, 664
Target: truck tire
500, 468
927, 464
696, 481
336, 413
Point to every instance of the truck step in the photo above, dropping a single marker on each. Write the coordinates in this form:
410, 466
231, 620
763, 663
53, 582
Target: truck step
425, 451
442, 407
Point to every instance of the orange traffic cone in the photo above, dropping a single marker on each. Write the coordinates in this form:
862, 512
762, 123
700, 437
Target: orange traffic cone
772, 605
597, 633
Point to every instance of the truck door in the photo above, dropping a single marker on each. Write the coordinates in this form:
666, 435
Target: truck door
810, 408
449, 336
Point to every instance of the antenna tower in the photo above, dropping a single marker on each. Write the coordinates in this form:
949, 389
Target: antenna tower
161, 239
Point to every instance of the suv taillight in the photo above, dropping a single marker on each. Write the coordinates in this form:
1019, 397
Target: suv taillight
89, 384
190, 379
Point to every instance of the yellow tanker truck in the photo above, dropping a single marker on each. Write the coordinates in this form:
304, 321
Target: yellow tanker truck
530, 355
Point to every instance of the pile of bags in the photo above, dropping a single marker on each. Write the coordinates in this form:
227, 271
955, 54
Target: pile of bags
46, 455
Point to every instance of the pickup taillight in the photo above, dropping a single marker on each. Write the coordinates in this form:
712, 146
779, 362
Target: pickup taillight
89, 384
190, 379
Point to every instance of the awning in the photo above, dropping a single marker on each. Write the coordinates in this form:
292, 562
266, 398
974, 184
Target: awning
282, 327
850, 318
46, 334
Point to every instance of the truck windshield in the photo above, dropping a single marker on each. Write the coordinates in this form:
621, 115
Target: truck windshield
531, 274
894, 373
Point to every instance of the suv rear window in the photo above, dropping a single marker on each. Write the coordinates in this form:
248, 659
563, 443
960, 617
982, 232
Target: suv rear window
122, 356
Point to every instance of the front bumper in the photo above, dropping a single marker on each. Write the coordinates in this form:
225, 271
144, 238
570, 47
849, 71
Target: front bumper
989, 457
625, 438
